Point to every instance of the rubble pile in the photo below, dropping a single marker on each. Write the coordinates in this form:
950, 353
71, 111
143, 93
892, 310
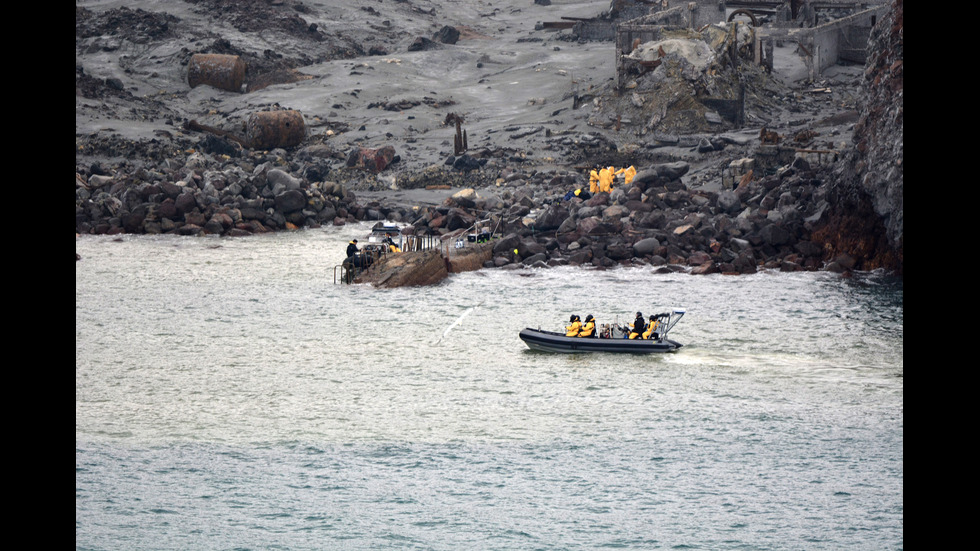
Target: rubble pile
685, 82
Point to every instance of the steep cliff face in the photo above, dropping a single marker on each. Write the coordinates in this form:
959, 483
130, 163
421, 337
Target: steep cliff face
866, 219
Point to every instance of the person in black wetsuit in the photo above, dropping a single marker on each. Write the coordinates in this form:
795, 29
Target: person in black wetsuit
352, 248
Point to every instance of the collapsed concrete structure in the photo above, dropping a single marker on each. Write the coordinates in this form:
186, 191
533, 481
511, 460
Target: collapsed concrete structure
826, 31
823, 45
688, 67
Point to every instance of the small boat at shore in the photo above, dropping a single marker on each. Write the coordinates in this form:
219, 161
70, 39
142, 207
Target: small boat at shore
611, 338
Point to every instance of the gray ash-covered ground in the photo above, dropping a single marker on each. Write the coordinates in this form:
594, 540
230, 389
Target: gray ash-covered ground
530, 98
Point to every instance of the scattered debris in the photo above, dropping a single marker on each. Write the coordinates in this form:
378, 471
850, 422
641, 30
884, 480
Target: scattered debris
226, 72
271, 129
404, 104
768, 137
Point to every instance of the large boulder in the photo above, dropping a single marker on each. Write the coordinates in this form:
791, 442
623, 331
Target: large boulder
290, 201
661, 174
407, 269
551, 218
422, 43
447, 35
465, 198
506, 245
729, 202
280, 177
457, 219
469, 258
374, 160
646, 246
775, 235
653, 220
185, 202
529, 247
467, 163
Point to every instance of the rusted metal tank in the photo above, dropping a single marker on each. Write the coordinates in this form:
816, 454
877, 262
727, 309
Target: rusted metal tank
272, 129
226, 72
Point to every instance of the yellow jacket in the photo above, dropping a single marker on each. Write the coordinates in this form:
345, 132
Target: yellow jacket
606, 177
573, 329
628, 174
588, 329
651, 328
593, 182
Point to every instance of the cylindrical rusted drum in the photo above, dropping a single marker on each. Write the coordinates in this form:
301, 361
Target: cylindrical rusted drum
272, 129
226, 72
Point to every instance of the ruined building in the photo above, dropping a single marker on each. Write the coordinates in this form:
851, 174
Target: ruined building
826, 31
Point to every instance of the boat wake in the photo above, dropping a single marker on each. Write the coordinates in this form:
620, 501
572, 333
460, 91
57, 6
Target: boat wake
458, 321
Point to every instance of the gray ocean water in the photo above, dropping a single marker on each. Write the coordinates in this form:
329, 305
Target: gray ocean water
230, 396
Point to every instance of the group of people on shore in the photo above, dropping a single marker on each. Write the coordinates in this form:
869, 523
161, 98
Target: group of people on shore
601, 181
639, 329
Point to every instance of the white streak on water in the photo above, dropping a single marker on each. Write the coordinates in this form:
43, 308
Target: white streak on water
458, 321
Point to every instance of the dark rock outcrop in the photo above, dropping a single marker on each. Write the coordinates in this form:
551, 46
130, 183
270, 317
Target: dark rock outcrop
865, 217
407, 269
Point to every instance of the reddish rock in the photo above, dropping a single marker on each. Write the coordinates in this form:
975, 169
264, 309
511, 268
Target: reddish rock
374, 160
704, 269
699, 258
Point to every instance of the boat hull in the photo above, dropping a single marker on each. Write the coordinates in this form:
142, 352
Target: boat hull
549, 341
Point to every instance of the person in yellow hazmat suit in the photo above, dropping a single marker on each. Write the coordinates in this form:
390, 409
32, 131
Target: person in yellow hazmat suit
628, 174
606, 177
593, 181
573, 329
651, 327
588, 330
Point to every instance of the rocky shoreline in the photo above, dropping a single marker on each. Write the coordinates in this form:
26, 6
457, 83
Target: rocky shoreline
702, 202
658, 221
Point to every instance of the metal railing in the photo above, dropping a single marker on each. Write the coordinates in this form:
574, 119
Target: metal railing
354, 265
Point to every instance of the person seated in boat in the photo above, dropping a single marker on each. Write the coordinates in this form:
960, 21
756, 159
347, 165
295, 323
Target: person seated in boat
573, 329
392, 248
651, 331
588, 329
352, 248
638, 326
